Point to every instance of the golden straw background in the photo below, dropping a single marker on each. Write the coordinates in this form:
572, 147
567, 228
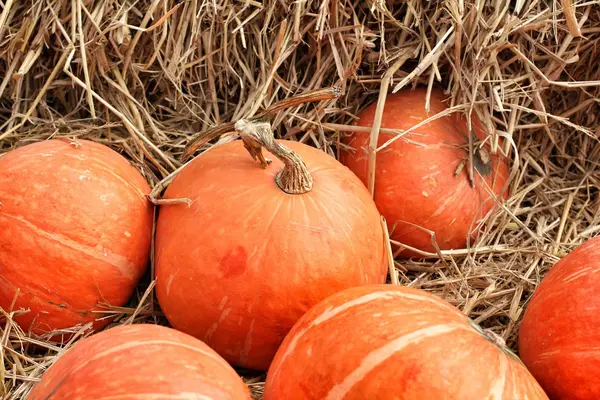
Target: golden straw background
147, 77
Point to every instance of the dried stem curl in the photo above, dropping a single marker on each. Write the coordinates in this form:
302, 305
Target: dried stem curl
294, 178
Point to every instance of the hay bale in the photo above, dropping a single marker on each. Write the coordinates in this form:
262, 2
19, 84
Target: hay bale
148, 77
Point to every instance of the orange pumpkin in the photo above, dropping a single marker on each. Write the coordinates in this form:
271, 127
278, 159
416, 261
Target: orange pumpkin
75, 231
393, 342
133, 362
259, 246
559, 339
417, 188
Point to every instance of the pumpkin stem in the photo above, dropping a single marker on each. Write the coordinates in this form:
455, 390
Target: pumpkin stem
294, 178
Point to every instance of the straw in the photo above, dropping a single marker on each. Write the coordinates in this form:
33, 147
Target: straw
149, 78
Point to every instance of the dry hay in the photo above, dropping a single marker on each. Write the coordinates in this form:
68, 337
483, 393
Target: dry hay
145, 77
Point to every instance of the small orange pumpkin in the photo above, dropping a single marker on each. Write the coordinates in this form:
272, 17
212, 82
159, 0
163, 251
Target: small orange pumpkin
421, 179
132, 362
75, 231
559, 339
393, 342
259, 246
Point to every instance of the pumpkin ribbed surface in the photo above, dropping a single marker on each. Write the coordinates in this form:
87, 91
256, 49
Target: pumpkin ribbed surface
421, 179
559, 338
75, 231
239, 266
140, 362
393, 342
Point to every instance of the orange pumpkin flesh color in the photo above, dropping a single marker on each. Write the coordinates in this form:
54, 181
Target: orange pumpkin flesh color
132, 362
559, 337
75, 231
416, 185
393, 342
246, 260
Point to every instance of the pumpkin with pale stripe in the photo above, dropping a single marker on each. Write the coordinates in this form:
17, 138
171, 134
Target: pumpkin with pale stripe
559, 338
132, 362
75, 232
393, 342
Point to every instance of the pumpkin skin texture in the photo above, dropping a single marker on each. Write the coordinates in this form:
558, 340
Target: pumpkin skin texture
132, 362
75, 231
559, 337
393, 342
246, 260
416, 186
